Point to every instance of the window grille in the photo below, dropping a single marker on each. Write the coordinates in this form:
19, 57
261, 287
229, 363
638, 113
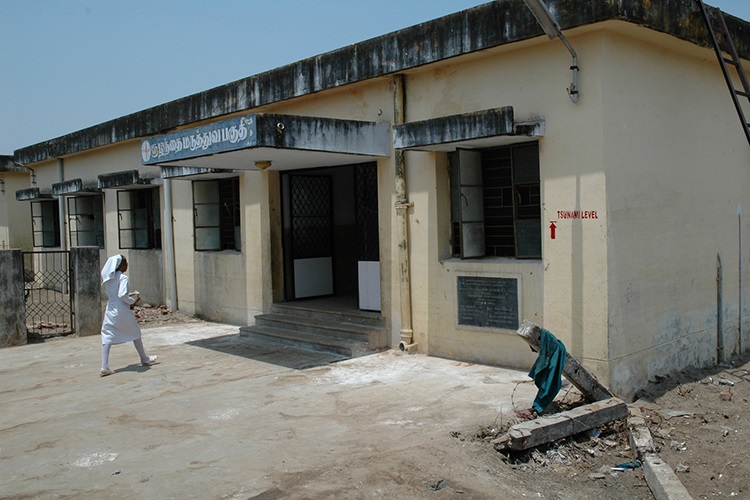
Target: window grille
45, 222
139, 219
496, 202
86, 221
216, 214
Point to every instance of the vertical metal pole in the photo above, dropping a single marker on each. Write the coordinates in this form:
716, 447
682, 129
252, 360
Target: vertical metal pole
719, 307
739, 328
61, 201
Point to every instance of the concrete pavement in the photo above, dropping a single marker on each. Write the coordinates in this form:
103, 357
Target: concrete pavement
222, 417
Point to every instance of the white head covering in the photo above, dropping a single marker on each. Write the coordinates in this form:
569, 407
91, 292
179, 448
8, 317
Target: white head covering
110, 268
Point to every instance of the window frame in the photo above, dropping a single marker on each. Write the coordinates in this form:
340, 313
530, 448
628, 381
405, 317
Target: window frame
510, 190
218, 217
41, 219
74, 215
145, 232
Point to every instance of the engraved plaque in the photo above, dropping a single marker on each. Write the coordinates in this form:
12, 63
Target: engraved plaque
488, 302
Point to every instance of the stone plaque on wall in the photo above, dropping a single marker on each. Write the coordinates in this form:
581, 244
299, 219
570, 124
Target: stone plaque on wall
488, 302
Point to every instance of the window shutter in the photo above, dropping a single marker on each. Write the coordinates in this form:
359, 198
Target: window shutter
468, 201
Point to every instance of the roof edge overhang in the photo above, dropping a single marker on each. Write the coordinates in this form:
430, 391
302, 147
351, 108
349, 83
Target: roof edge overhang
126, 179
32, 194
74, 187
478, 129
483, 27
7, 164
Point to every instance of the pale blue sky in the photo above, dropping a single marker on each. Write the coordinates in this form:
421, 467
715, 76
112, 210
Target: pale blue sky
70, 64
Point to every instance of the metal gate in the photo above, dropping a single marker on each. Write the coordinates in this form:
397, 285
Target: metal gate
312, 234
48, 293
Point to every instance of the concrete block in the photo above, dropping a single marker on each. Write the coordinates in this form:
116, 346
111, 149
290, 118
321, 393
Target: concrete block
662, 480
640, 437
560, 425
84, 267
12, 303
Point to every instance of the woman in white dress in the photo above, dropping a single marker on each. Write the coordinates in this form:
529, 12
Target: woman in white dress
119, 324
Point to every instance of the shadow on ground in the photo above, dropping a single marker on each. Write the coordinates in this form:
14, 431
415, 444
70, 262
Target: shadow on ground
663, 384
280, 355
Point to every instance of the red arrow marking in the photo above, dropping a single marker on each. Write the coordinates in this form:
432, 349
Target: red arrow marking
552, 228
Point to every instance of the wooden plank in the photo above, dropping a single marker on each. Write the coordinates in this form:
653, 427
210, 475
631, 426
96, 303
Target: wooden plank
561, 425
572, 370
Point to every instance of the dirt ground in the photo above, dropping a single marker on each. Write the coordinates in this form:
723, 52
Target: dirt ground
699, 421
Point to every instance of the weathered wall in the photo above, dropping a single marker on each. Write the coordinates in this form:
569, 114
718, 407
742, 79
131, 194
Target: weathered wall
566, 291
12, 307
15, 216
85, 277
678, 167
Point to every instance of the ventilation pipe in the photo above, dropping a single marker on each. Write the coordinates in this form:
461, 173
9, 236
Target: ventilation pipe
169, 256
402, 227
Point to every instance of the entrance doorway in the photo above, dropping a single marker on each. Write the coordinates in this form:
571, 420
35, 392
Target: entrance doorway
330, 228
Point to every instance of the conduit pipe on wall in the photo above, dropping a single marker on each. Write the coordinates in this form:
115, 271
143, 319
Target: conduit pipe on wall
739, 222
61, 202
550, 26
169, 247
402, 227
719, 308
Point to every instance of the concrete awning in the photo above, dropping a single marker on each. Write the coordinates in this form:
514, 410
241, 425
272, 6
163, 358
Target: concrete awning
74, 187
480, 129
32, 194
130, 179
260, 141
191, 173
8, 165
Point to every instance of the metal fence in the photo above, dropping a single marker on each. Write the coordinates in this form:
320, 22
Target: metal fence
48, 293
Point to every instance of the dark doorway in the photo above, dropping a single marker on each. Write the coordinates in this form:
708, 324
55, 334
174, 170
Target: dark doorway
330, 222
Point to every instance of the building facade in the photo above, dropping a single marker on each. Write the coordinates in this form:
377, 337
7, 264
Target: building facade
442, 176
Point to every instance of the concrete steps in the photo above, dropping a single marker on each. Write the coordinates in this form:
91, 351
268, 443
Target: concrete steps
351, 333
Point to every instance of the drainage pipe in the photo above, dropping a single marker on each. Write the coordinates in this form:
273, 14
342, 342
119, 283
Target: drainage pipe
402, 227
739, 222
61, 202
719, 308
169, 246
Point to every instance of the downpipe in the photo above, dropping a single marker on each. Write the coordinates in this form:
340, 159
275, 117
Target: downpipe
719, 308
402, 207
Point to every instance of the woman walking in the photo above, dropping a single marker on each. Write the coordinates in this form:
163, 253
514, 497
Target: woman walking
119, 324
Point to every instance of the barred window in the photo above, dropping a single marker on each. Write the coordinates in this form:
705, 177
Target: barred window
86, 221
496, 202
216, 214
139, 219
45, 222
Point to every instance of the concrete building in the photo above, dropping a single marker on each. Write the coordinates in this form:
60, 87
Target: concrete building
444, 177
